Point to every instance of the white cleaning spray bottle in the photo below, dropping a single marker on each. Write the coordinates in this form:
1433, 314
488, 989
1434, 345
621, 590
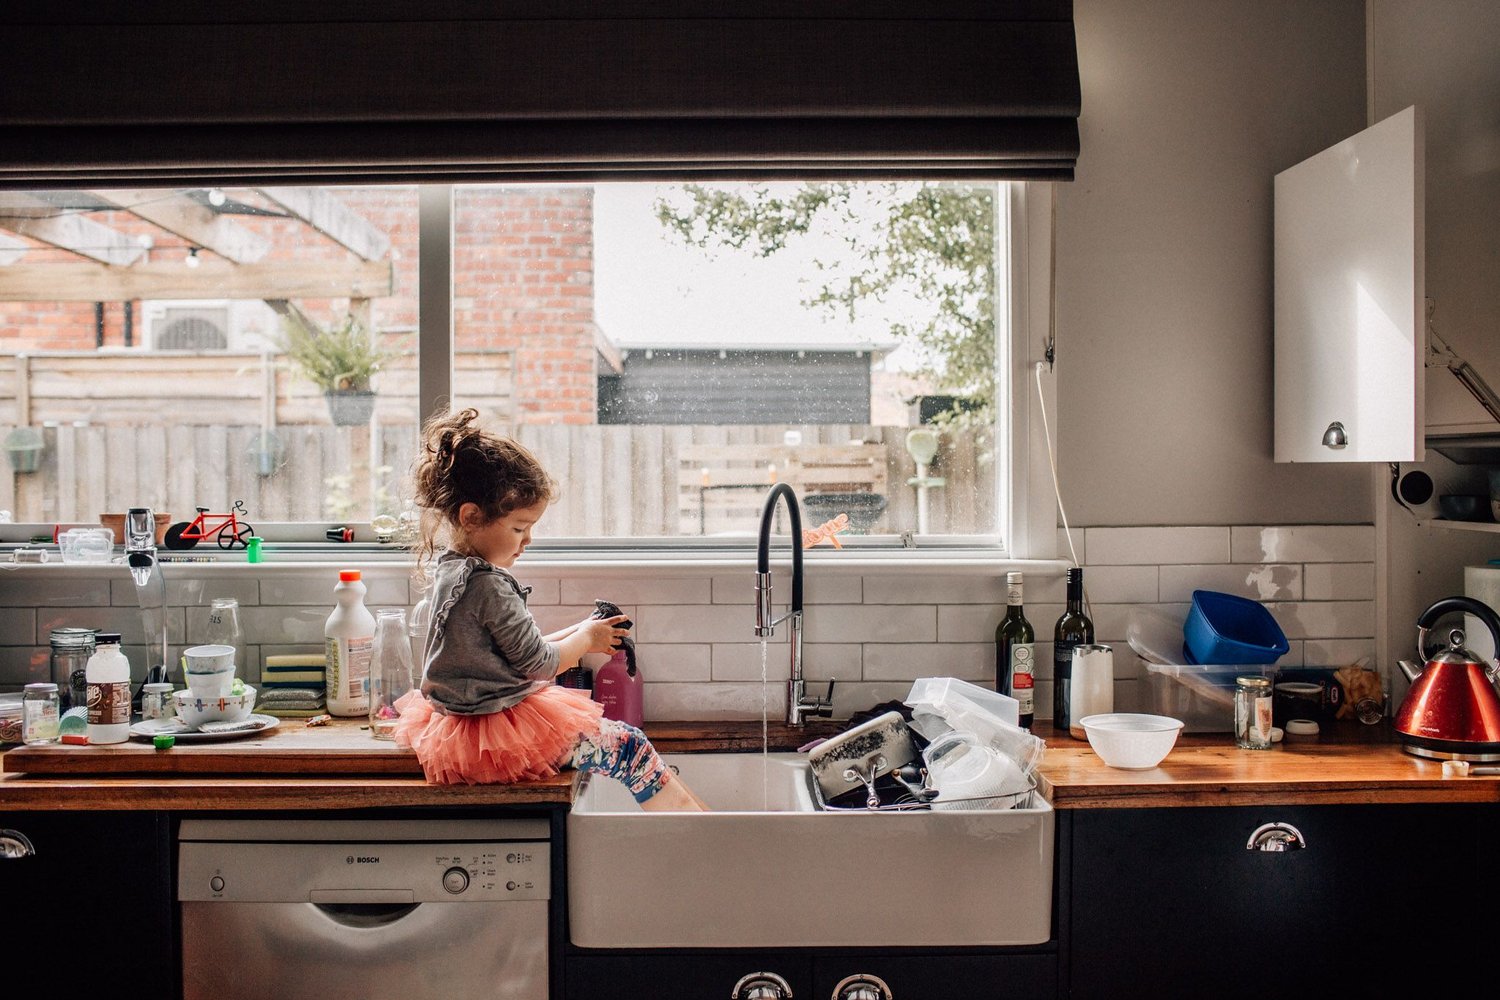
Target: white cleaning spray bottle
350, 638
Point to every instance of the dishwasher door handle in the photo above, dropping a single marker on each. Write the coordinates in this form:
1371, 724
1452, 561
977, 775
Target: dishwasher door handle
343, 896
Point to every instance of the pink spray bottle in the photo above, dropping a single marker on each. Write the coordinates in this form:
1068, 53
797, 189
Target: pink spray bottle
617, 684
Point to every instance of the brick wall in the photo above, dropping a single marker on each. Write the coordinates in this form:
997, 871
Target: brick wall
523, 279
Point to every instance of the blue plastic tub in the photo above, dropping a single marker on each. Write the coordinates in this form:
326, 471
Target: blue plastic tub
1225, 628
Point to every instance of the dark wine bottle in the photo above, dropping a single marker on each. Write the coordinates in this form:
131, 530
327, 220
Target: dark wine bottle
1073, 629
1015, 652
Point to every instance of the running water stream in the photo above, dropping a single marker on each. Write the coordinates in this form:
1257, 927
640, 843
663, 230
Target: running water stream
765, 756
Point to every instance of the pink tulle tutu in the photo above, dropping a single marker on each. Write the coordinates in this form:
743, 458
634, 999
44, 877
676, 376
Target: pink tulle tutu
529, 740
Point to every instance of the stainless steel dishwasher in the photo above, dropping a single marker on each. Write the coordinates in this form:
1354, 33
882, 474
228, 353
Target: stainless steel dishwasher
364, 908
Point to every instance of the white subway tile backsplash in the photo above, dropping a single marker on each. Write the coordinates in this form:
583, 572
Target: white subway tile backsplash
1118, 584
393, 589
67, 590
924, 589
1303, 543
1258, 582
1338, 581
188, 591
667, 590
684, 702
873, 630
1325, 619
872, 623
970, 661
817, 588
1142, 546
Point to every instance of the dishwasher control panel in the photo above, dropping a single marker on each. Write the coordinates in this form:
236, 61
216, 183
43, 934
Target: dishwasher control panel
363, 872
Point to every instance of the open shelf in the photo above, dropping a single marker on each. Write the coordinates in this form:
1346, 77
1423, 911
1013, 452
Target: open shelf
1438, 522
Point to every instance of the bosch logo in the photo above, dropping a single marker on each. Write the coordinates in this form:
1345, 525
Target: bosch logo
349, 860
362, 860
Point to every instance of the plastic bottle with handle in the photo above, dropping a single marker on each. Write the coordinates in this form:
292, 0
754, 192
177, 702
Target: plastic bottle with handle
350, 639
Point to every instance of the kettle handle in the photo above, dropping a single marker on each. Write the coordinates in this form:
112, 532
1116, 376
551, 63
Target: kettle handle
1448, 605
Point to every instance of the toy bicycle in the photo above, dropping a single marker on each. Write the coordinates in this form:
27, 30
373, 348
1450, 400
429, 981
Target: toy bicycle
230, 530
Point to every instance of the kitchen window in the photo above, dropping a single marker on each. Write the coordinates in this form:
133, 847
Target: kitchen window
668, 350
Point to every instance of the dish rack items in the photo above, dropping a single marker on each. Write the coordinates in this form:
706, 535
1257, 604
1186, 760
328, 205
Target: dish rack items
962, 751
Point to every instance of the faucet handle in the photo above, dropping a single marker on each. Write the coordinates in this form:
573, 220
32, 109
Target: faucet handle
824, 705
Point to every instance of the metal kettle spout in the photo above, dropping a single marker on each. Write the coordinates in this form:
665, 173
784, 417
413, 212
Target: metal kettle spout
1410, 669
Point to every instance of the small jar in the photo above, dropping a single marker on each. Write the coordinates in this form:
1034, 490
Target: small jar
71, 649
1252, 712
40, 710
156, 701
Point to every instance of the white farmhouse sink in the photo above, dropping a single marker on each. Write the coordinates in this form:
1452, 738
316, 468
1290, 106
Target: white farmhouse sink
767, 868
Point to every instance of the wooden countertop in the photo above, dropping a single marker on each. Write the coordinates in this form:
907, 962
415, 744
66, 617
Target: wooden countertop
339, 766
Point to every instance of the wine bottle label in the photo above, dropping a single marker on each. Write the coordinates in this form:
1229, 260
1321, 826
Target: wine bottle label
1023, 676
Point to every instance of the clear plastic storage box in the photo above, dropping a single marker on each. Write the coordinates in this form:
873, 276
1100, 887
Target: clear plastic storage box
1201, 695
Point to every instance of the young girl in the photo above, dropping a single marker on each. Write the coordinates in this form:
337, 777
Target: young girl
488, 710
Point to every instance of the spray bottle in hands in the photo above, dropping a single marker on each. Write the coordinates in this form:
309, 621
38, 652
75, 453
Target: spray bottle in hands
617, 684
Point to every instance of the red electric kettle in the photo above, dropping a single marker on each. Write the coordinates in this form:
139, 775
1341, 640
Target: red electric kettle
1452, 710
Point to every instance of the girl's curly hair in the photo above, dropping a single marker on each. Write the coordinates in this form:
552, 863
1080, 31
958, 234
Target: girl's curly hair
461, 463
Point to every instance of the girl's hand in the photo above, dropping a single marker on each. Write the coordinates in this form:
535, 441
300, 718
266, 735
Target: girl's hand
602, 633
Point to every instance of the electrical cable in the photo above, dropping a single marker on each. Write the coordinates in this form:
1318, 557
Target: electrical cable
1052, 461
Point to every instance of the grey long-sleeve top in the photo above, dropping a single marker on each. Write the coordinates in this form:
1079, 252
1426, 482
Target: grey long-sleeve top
484, 652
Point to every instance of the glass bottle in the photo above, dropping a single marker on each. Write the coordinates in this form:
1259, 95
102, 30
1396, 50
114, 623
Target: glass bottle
1015, 652
71, 649
224, 628
390, 671
1073, 628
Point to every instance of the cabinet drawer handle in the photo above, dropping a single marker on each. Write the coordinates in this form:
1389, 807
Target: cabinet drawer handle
13, 844
761, 986
1276, 837
862, 987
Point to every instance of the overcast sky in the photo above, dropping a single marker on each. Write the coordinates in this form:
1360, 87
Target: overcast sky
650, 289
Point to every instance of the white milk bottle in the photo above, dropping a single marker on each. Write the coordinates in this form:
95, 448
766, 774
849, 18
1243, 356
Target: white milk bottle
350, 640
107, 675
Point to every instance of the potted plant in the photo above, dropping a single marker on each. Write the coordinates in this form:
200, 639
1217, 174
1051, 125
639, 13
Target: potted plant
340, 360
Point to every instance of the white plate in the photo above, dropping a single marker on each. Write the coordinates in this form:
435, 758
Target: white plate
147, 728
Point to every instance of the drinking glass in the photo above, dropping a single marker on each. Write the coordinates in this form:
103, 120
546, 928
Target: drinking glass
224, 627
390, 671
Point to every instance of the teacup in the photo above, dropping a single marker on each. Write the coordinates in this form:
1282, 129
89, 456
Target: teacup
208, 659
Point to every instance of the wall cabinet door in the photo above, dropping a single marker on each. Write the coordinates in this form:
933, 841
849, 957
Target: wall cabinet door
1169, 902
94, 900
1350, 314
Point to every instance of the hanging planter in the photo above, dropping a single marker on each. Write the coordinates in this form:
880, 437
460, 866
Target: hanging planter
23, 449
350, 407
266, 453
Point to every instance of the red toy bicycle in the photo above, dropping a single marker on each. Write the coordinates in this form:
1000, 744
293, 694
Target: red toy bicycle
228, 528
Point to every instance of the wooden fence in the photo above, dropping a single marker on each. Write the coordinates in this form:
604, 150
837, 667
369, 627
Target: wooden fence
616, 481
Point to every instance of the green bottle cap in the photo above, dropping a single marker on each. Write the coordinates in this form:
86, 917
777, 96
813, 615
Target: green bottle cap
163, 741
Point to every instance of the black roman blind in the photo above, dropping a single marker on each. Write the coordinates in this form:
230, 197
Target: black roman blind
165, 91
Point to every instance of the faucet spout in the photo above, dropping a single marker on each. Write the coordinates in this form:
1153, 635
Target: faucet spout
798, 703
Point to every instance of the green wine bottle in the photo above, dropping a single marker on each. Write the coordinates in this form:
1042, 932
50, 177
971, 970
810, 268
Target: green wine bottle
1015, 652
1073, 629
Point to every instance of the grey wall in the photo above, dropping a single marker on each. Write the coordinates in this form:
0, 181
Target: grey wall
1190, 107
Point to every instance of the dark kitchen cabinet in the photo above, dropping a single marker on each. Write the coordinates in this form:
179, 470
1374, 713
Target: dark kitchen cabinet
680, 975
937, 976
92, 891
1169, 902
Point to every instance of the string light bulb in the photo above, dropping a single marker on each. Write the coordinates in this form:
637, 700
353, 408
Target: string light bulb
192, 257
215, 197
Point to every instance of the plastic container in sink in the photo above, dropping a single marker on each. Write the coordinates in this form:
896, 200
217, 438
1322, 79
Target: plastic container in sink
942, 704
1201, 695
1228, 629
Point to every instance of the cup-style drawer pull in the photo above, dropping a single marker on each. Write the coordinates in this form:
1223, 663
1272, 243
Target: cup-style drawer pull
1276, 837
761, 986
13, 844
862, 987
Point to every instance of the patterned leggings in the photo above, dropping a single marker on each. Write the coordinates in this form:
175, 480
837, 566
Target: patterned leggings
622, 752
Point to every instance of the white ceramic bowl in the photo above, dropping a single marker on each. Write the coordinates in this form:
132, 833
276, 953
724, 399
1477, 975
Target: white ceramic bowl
208, 659
1130, 741
210, 684
195, 711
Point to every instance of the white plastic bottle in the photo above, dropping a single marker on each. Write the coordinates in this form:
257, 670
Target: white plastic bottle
107, 675
350, 640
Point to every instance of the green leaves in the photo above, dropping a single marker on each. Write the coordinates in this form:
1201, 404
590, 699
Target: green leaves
341, 358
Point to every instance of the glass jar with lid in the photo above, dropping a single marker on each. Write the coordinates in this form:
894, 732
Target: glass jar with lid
1252, 712
39, 713
71, 649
